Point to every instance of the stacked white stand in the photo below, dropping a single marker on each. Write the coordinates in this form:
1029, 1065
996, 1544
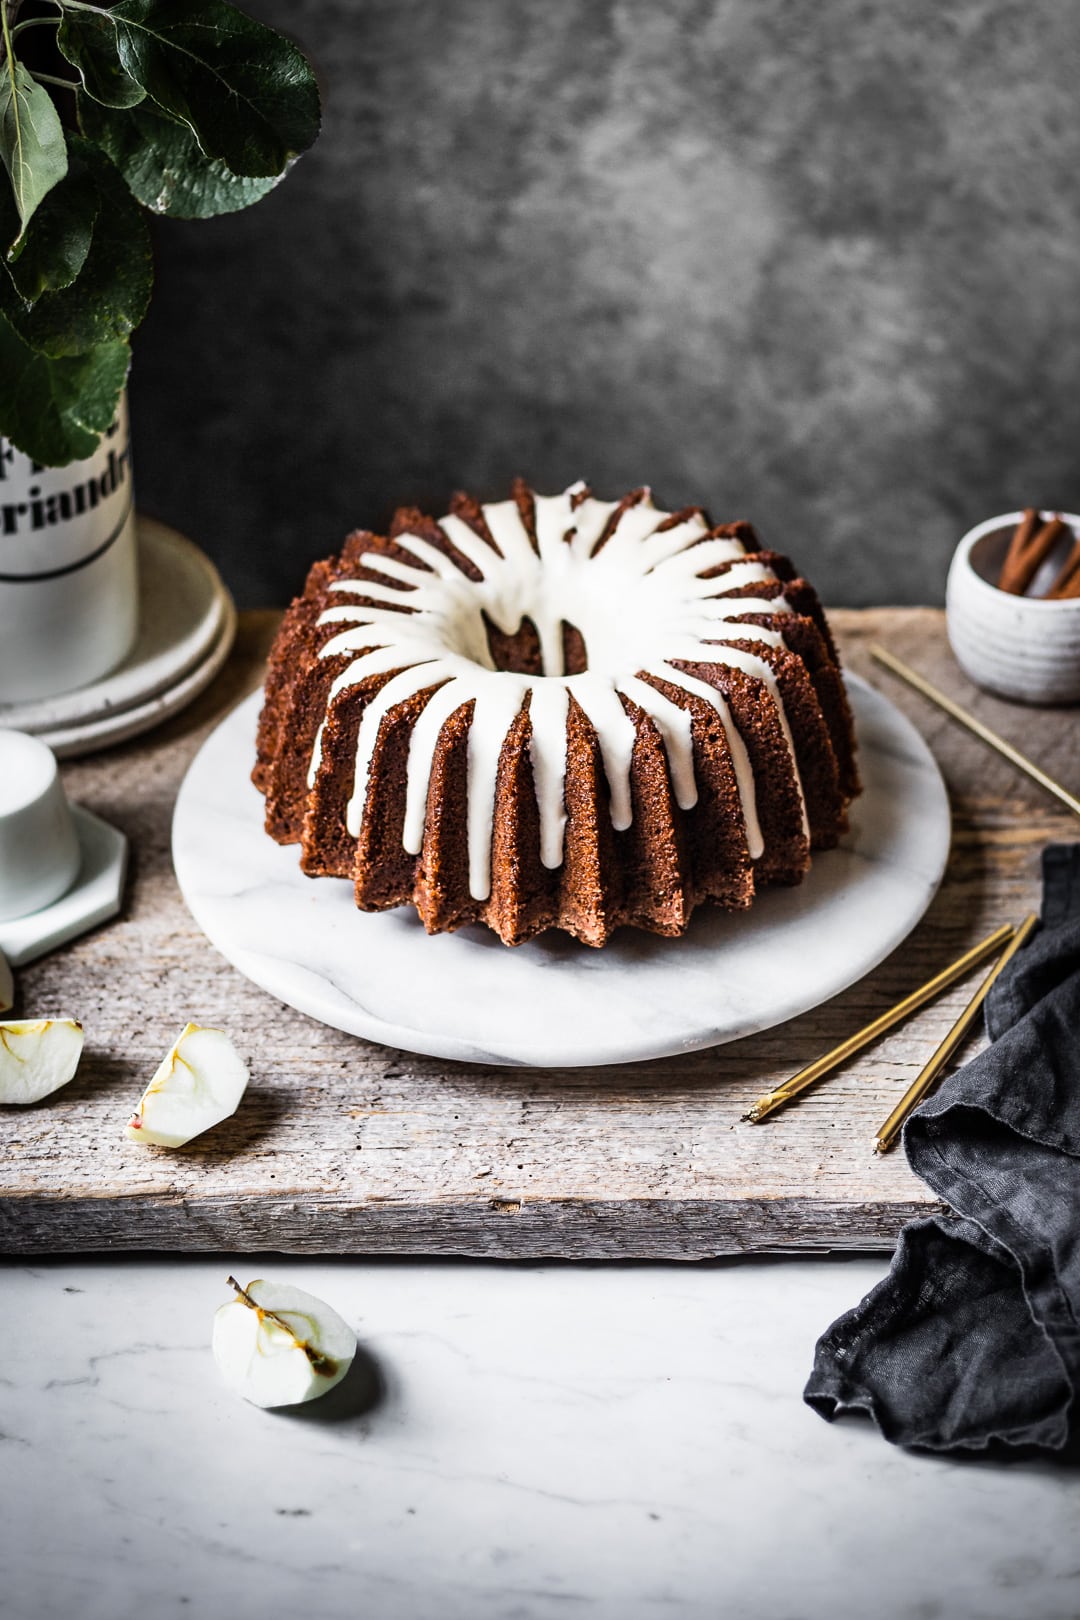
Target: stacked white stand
187, 627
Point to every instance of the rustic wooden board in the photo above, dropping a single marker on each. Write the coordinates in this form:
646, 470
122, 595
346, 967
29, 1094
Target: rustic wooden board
341, 1146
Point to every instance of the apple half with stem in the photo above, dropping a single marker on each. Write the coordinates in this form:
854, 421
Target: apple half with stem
37, 1057
7, 985
277, 1345
200, 1082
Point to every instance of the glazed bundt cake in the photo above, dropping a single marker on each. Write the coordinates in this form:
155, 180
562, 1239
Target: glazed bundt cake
556, 712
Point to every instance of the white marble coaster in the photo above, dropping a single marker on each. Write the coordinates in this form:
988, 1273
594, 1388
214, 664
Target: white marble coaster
94, 897
185, 615
554, 1003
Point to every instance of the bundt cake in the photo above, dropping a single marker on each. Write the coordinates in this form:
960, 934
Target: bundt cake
556, 712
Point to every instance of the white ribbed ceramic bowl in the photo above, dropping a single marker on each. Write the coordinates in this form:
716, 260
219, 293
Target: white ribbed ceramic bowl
1017, 646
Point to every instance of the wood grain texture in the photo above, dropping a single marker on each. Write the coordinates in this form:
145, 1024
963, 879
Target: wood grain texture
345, 1147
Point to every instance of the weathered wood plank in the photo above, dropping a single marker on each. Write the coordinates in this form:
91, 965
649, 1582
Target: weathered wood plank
342, 1146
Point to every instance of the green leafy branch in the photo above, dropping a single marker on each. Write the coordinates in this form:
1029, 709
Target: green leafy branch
187, 108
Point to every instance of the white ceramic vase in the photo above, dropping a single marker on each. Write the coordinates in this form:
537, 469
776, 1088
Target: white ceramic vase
68, 574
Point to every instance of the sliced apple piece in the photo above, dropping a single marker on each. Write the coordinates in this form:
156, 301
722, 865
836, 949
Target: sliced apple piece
37, 1056
7, 985
277, 1345
200, 1082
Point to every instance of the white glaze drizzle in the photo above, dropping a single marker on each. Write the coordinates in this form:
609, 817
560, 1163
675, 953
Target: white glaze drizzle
640, 603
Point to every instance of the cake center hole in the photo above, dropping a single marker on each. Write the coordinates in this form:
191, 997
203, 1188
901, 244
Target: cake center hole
520, 652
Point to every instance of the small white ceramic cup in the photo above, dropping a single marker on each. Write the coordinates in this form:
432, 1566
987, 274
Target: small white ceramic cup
1020, 647
39, 847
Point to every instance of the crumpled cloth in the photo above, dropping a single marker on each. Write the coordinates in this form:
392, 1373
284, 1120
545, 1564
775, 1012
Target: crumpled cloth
973, 1339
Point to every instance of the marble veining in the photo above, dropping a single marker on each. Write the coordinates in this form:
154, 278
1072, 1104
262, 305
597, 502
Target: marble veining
518, 1443
553, 1002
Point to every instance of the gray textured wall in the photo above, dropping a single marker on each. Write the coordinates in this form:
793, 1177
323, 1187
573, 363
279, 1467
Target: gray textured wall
812, 264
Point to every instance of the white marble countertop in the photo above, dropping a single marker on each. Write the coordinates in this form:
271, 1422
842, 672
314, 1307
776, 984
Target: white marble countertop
524, 1443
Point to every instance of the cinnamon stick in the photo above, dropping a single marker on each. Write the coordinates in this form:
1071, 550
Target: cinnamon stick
1025, 532
1067, 583
1028, 550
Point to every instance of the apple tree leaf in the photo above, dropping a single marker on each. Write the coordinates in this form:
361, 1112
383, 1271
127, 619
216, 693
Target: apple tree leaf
108, 298
53, 248
88, 41
57, 409
32, 145
247, 93
165, 167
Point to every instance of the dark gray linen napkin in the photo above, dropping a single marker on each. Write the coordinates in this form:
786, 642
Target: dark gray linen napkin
973, 1339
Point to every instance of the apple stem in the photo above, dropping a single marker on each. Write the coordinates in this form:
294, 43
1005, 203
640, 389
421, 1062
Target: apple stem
324, 1365
244, 1295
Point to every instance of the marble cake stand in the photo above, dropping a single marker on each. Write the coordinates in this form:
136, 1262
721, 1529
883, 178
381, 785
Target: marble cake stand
554, 1003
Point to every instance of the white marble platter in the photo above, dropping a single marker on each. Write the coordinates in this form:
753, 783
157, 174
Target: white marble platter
553, 1002
187, 623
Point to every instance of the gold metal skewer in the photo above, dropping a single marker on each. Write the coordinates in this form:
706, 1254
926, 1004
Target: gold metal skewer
1012, 754
888, 1133
918, 998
